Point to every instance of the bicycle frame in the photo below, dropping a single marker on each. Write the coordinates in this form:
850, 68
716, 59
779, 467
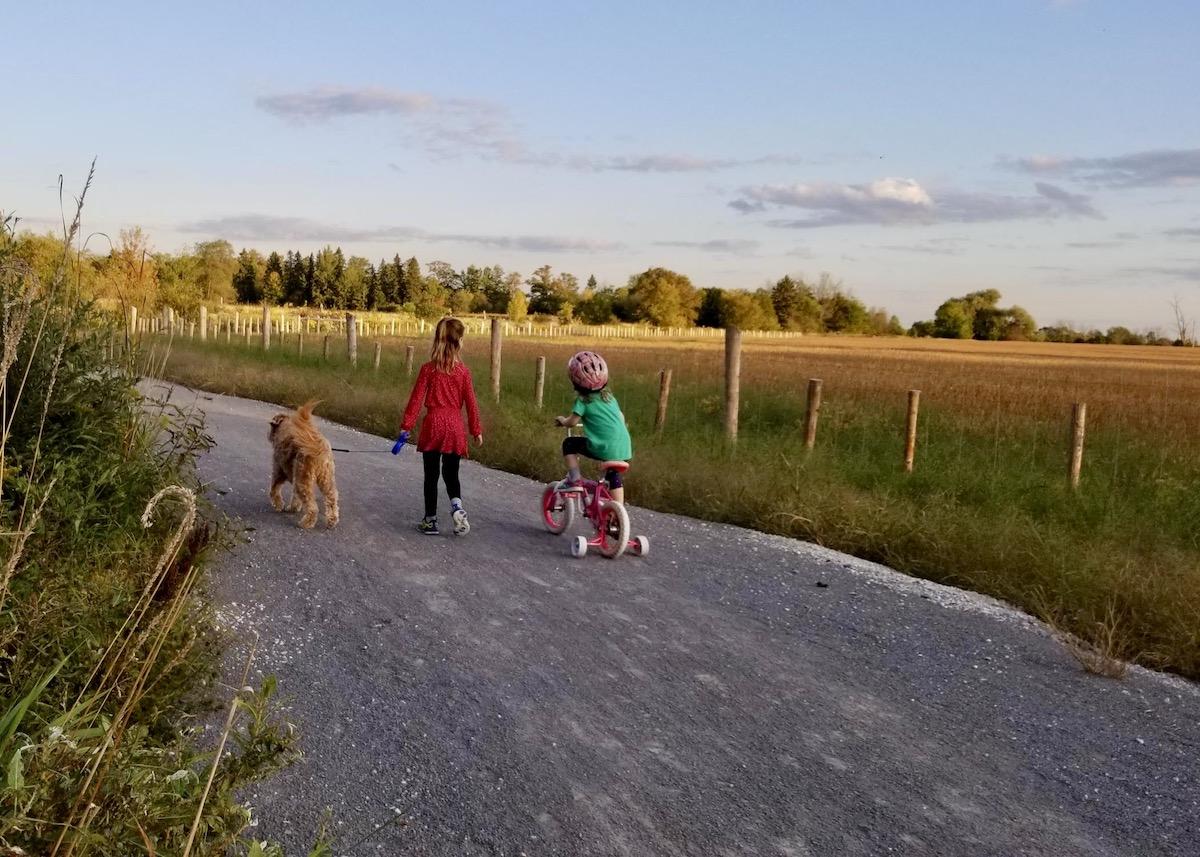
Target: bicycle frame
609, 519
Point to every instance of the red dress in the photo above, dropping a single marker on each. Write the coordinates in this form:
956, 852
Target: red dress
443, 394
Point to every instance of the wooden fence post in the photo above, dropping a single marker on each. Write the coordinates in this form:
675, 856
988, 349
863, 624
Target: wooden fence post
1078, 425
812, 412
910, 430
378, 350
266, 327
203, 323
133, 326
664, 393
496, 341
300, 342
539, 382
408, 358
352, 338
228, 332
733, 374
325, 348
191, 330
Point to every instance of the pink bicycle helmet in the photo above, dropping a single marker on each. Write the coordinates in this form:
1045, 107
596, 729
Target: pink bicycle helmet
588, 371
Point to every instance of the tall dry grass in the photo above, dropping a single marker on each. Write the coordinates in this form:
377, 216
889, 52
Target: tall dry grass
105, 644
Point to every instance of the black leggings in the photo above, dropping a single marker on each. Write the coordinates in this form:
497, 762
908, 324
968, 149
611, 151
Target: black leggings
576, 445
447, 462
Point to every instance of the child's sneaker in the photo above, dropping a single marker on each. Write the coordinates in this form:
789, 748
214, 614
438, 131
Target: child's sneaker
428, 527
461, 525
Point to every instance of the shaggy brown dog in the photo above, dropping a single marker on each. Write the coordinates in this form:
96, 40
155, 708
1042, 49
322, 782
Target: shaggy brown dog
303, 457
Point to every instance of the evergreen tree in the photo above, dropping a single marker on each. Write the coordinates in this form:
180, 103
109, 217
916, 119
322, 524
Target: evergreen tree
413, 281
372, 287
247, 279
354, 283
327, 278
495, 289
541, 291
712, 308
294, 268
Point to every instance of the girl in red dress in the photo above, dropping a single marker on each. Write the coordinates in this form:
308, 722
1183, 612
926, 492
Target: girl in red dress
443, 387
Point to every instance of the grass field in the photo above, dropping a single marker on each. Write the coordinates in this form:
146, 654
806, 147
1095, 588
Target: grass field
988, 507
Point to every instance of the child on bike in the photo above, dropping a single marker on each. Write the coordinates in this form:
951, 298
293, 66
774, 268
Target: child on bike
606, 438
443, 387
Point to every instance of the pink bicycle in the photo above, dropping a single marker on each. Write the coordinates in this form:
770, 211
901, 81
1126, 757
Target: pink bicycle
609, 519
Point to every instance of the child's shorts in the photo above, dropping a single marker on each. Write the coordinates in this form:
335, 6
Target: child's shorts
579, 446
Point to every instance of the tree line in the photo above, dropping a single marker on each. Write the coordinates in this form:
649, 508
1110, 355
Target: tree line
978, 315
657, 296
133, 274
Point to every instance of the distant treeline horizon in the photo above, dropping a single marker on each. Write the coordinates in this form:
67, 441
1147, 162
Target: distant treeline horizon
327, 279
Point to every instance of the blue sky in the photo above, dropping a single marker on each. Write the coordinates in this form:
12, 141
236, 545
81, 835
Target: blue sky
913, 150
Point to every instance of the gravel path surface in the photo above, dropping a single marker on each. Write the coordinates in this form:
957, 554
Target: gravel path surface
730, 694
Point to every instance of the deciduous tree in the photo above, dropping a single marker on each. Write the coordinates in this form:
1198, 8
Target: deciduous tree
664, 298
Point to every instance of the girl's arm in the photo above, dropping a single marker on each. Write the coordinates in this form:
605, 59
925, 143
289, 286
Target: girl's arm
473, 420
569, 422
415, 400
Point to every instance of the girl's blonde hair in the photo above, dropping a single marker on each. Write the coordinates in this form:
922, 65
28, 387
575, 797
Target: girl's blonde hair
447, 343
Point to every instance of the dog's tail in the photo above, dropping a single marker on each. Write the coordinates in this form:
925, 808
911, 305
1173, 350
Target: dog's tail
304, 412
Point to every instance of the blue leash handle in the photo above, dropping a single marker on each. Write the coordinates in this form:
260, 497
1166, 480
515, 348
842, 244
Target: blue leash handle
399, 444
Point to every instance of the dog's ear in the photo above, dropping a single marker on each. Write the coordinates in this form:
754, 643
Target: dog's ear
276, 420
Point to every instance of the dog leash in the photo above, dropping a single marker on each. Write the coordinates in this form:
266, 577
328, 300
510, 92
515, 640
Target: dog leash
395, 450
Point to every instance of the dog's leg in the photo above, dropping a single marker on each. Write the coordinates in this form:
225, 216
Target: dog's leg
277, 483
328, 487
302, 483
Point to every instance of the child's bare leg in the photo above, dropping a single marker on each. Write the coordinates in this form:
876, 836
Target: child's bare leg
572, 462
618, 494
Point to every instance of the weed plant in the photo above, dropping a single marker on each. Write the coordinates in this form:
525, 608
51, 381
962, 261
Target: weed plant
107, 646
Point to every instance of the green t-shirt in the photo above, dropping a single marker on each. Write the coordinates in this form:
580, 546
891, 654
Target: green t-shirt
604, 427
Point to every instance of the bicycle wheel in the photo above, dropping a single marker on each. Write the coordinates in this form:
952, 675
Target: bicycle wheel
614, 529
558, 510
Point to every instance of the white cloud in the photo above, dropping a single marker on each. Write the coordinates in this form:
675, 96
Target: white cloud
265, 227
892, 201
327, 102
453, 127
1152, 168
736, 246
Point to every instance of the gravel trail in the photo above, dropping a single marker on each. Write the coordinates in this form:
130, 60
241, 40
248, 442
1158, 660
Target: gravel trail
730, 694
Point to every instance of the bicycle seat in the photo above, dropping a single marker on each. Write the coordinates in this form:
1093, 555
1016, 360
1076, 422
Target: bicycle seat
619, 466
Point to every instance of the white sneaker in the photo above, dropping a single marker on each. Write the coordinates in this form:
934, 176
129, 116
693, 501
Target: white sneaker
459, 515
